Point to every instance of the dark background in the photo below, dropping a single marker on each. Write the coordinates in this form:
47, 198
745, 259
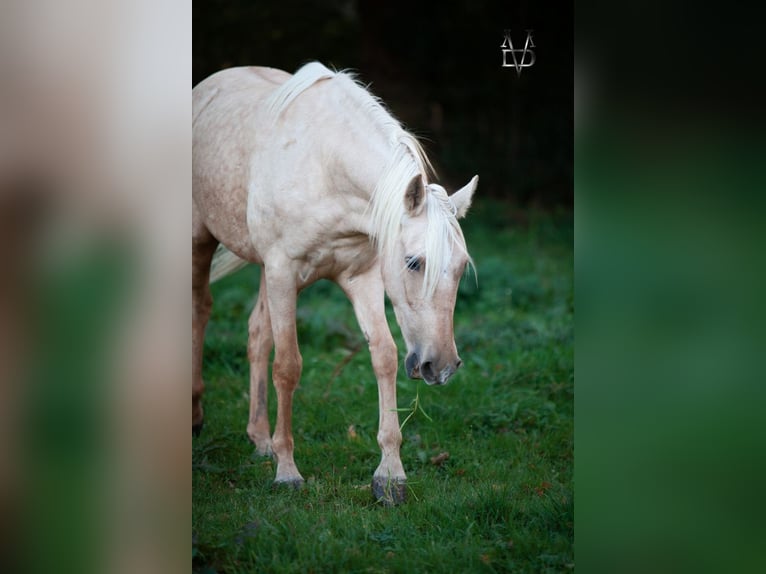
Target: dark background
437, 66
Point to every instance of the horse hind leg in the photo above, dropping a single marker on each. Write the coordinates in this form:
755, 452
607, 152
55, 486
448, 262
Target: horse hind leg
203, 247
260, 343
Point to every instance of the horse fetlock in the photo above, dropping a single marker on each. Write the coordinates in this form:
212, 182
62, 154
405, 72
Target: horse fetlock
282, 446
390, 439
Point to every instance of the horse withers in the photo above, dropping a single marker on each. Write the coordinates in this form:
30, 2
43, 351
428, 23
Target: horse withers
311, 178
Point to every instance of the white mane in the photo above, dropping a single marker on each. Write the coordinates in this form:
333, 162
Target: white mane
302, 80
407, 160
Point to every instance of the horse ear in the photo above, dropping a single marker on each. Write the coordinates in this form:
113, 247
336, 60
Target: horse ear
461, 199
415, 196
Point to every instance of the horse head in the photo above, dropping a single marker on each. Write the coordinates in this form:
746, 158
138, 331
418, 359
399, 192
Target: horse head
422, 272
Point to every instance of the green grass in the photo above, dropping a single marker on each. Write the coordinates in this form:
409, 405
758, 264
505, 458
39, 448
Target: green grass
503, 499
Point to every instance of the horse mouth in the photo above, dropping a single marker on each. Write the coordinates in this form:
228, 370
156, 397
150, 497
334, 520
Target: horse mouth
439, 379
415, 373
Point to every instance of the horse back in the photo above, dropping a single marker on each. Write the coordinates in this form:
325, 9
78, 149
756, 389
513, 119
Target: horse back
251, 78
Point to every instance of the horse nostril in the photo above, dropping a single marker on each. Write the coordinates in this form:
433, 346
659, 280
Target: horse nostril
457, 365
426, 369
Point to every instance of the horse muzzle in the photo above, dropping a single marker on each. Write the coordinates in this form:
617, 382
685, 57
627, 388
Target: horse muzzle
428, 371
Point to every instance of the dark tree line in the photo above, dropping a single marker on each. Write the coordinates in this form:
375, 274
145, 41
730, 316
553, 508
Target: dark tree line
437, 65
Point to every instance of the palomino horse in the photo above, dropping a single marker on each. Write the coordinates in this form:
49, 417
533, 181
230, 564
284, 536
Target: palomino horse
311, 178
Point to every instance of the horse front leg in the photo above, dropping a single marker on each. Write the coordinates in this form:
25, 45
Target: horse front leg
367, 294
282, 296
389, 479
259, 345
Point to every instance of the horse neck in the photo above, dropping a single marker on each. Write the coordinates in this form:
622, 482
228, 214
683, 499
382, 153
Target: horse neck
364, 144
361, 158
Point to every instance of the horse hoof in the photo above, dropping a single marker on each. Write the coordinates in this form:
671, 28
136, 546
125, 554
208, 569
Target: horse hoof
290, 483
197, 429
389, 492
264, 449
264, 452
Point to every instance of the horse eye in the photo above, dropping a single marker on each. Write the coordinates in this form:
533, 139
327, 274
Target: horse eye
413, 263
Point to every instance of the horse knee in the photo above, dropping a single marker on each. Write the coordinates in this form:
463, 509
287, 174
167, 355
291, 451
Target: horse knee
286, 371
384, 358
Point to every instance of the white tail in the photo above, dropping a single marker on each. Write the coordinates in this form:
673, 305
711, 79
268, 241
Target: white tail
225, 263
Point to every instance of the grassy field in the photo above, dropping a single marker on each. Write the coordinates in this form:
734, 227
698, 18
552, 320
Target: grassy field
489, 468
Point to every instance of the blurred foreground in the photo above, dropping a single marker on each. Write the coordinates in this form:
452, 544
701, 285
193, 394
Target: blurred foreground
94, 216
670, 270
